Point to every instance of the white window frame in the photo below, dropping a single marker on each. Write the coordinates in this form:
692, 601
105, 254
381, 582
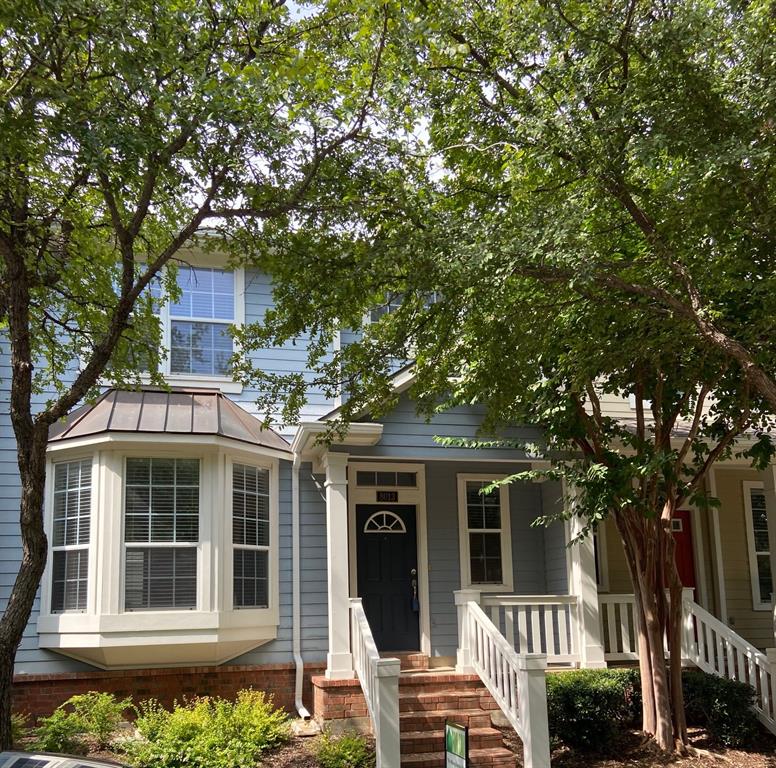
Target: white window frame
758, 604
224, 383
197, 545
87, 547
507, 584
253, 547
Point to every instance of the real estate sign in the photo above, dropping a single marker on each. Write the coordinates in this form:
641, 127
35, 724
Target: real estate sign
456, 746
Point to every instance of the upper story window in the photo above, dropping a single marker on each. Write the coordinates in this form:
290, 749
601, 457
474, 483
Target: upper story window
394, 301
484, 528
161, 533
759, 546
70, 535
195, 328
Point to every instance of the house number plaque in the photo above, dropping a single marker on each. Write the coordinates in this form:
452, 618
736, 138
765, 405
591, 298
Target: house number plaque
385, 497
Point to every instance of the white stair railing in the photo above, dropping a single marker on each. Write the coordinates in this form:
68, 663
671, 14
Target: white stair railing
714, 647
379, 680
517, 682
547, 624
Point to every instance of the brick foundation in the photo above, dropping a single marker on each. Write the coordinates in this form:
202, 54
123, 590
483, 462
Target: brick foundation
39, 695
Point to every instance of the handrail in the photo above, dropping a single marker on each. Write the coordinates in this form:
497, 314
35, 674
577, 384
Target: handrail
529, 600
714, 647
379, 680
516, 681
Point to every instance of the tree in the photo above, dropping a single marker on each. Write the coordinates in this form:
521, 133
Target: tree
587, 235
126, 129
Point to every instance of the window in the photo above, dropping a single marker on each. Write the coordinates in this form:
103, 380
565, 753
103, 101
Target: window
161, 533
486, 558
394, 301
759, 545
392, 479
70, 535
250, 536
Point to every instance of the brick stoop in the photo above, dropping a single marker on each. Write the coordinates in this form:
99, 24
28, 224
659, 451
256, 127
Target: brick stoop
426, 701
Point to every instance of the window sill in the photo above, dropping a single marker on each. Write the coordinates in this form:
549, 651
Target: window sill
490, 587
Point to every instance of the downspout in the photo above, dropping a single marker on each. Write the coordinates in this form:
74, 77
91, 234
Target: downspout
296, 634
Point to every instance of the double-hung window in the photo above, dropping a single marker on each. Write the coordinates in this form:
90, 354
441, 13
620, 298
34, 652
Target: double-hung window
484, 529
199, 322
250, 536
759, 545
161, 533
70, 535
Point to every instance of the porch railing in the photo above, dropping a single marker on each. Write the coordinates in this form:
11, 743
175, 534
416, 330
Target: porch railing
547, 624
618, 625
516, 681
379, 680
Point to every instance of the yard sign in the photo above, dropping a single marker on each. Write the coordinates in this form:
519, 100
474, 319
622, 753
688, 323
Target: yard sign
456, 746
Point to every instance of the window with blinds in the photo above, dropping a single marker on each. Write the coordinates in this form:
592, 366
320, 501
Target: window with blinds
760, 548
199, 322
483, 519
161, 533
70, 535
250, 536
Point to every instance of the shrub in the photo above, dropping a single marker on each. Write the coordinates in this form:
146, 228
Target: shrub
18, 726
59, 733
209, 732
99, 715
347, 751
723, 707
589, 708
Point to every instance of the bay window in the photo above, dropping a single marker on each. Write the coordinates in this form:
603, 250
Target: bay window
161, 533
250, 536
71, 522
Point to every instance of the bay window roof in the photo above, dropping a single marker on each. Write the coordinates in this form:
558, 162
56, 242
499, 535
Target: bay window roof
176, 411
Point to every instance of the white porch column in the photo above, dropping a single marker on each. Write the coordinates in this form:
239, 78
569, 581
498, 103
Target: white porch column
339, 661
582, 583
769, 486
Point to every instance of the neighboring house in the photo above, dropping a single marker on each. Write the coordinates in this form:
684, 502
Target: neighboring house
192, 551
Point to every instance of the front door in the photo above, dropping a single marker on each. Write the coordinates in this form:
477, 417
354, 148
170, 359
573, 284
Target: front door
387, 563
681, 527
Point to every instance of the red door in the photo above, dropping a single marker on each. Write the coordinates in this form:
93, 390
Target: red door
685, 561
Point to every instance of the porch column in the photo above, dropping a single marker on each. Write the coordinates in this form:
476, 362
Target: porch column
582, 583
769, 487
339, 661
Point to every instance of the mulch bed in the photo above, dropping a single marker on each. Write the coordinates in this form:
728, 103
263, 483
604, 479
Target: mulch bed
633, 752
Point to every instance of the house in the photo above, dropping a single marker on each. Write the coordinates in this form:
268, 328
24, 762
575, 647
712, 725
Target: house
194, 552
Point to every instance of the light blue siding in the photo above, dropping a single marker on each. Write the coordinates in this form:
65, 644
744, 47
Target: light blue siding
531, 546
555, 551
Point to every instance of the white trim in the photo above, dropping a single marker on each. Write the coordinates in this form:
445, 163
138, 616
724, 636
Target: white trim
411, 496
507, 584
758, 604
360, 434
717, 536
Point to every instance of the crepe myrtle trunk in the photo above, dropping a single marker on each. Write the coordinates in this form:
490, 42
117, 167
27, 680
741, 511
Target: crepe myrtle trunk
650, 553
32, 469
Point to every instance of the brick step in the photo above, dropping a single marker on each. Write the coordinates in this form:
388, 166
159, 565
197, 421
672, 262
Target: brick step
495, 757
432, 683
423, 701
432, 720
422, 742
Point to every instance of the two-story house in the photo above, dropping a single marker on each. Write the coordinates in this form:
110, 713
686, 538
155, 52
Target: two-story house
193, 552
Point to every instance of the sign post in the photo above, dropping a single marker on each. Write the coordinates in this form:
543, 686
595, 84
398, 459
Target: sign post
456, 746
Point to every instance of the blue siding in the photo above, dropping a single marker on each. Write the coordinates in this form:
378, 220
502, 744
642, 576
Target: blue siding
555, 551
531, 546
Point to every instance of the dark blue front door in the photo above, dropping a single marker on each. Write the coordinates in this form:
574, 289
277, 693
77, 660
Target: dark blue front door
387, 561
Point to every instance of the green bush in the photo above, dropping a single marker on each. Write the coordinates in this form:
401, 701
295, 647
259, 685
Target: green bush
87, 717
589, 708
346, 751
60, 732
723, 707
18, 726
208, 732
99, 715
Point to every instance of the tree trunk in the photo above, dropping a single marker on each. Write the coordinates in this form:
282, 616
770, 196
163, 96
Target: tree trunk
649, 552
32, 468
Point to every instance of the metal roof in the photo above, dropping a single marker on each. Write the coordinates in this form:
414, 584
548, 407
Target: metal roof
175, 411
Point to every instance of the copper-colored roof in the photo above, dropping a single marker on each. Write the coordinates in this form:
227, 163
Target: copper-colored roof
177, 411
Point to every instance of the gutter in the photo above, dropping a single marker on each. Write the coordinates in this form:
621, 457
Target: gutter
296, 634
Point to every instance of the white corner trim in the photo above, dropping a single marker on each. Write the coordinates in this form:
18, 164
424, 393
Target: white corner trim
507, 584
700, 560
717, 537
758, 604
